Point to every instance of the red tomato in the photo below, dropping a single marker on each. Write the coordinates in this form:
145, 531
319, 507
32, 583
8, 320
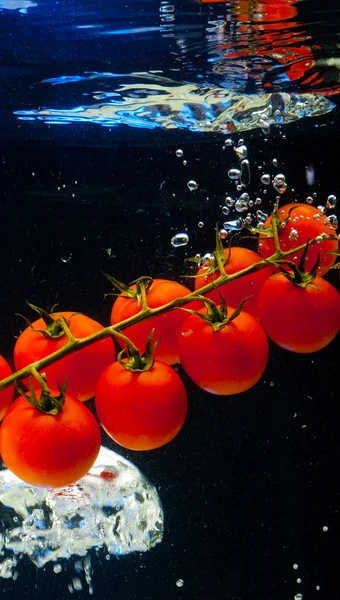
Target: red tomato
141, 410
49, 450
224, 362
305, 223
235, 291
299, 319
166, 326
81, 369
6, 395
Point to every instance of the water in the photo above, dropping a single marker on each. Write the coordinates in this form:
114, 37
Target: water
125, 127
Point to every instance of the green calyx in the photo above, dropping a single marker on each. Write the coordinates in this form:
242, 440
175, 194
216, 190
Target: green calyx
298, 275
47, 404
142, 285
134, 360
56, 325
217, 316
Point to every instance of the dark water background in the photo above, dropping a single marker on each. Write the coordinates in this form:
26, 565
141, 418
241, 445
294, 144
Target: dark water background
251, 481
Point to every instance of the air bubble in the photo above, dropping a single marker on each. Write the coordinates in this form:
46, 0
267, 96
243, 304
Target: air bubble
229, 201
241, 151
200, 224
228, 142
295, 566
179, 582
309, 200
234, 174
279, 183
236, 224
298, 597
184, 163
57, 568
245, 172
275, 162
325, 528
265, 179
331, 201
192, 185
258, 201
225, 210
331, 222
223, 234
207, 260
241, 205
261, 216
180, 239
179, 153
293, 234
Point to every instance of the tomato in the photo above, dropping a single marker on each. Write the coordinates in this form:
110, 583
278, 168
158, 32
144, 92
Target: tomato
141, 410
305, 223
6, 395
81, 369
166, 326
296, 318
49, 450
235, 291
224, 362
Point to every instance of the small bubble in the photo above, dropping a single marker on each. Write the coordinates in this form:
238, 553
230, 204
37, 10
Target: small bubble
239, 187
223, 234
180, 239
279, 183
261, 216
179, 582
185, 162
322, 209
225, 210
298, 597
241, 205
325, 528
241, 151
318, 588
299, 580
77, 584
331, 201
228, 142
179, 153
200, 224
265, 179
229, 201
57, 568
33, 174
258, 201
234, 174
275, 162
331, 222
293, 234
236, 224
295, 566
309, 200
192, 185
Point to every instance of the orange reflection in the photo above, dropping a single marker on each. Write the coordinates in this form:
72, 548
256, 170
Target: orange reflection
270, 29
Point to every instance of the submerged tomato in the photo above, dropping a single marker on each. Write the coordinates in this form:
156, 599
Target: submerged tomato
141, 410
299, 319
49, 450
6, 395
224, 362
305, 223
235, 291
166, 326
81, 369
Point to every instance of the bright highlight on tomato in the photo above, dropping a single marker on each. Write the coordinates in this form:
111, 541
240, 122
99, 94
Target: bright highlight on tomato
299, 319
141, 410
166, 326
305, 223
81, 369
49, 450
234, 292
224, 362
6, 395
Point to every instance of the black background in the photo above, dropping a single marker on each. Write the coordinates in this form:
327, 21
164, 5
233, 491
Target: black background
251, 480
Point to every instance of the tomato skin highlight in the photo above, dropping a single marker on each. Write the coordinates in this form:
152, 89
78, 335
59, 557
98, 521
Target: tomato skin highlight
235, 291
80, 369
299, 319
308, 221
167, 326
224, 362
49, 450
141, 410
6, 395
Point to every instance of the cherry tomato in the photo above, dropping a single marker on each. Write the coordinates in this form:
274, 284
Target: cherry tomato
299, 319
235, 291
6, 395
224, 362
305, 223
141, 410
166, 326
81, 369
49, 450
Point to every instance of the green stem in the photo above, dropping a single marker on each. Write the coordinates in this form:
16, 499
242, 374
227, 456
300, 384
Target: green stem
75, 344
